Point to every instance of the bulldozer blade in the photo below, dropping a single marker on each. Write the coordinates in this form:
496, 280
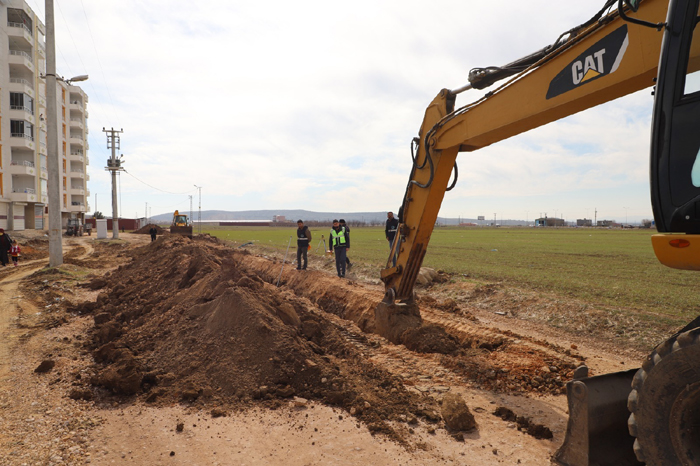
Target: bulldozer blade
597, 433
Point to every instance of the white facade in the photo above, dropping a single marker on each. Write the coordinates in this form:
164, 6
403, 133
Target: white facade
23, 154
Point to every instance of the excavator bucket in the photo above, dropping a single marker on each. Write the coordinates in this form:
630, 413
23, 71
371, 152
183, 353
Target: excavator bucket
597, 431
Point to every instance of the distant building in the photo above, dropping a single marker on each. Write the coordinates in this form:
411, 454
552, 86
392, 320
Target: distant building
605, 223
279, 219
24, 175
584, 222
550, 222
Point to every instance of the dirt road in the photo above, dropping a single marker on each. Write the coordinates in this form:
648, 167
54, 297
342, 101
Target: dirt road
163, 301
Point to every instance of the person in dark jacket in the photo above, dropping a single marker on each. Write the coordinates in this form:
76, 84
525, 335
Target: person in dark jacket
392, 225
153, 233
303, 243
339, 246
5, 246
342, 223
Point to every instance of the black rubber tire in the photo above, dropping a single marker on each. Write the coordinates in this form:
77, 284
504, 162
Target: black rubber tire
665, 403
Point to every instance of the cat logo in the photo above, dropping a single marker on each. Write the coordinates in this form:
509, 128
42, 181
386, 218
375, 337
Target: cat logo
601, 59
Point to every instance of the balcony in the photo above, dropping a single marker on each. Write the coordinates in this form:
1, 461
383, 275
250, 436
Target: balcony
77, 105
77, 191
20, 112
20, 31
76, 206
43, 174
77, 156
21, 85
76, 123
76, 141
77, 173
23, 195
22, 140
21, 58
22, 167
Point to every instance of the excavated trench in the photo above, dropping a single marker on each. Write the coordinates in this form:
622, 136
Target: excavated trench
196, 322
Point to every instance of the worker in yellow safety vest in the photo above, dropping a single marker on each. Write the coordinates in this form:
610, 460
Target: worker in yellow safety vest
340, 243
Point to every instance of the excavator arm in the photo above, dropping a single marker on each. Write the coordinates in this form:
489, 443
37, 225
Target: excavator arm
607, 59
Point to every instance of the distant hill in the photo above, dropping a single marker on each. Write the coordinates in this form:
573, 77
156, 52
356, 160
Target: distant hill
370, 218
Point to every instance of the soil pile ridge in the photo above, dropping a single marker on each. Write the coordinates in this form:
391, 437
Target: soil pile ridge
146, 229
185, 322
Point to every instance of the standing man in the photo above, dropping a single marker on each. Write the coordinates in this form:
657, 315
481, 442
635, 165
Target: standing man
5, 246
153, 233
392, 225
303, 243
342, 223
339, 246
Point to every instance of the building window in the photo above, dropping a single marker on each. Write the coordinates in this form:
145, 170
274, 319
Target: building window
64, 200
64, 150
21, 129
63, 113
21, 101
63, 95
64, 130
64, 182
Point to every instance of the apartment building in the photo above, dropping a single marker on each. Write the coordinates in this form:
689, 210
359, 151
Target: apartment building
23, 145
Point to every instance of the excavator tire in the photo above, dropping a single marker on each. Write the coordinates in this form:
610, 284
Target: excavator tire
665, 403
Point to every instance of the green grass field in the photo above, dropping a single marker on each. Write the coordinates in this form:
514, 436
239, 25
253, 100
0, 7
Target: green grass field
607, 267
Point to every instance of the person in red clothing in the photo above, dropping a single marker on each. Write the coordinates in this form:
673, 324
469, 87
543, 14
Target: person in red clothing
14, 252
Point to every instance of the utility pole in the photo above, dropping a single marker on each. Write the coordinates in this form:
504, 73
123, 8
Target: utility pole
113, 166
146, 215
199, 216
595, 216
190, 196
54, 182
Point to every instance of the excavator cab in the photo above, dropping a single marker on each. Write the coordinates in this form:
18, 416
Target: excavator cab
675, 142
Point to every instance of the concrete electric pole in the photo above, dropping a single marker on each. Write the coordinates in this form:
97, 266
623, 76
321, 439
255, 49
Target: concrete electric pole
114, 165
54, 184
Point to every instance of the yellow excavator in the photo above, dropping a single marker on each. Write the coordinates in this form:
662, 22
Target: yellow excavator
649, 415
181, 225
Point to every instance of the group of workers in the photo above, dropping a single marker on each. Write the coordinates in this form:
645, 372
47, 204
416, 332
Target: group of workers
339, 242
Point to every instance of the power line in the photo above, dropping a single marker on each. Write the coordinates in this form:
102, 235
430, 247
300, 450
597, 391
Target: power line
97, 55
153, 187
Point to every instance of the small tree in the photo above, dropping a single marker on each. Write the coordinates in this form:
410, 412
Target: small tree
98, 214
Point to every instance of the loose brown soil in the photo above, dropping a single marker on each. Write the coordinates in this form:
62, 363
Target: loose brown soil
193, 337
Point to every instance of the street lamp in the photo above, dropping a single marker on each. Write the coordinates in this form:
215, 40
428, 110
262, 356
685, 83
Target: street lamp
75, 79
625, 214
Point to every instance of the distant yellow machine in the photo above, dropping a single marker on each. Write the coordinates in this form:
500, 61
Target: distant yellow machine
181, 225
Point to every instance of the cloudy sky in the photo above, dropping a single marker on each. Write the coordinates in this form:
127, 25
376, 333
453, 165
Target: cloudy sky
313, 104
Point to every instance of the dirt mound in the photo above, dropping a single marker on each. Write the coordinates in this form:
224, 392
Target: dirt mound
146, 230
186, 322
